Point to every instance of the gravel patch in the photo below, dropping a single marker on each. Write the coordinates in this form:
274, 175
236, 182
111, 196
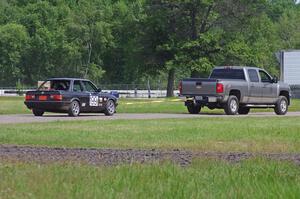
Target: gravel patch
109, 157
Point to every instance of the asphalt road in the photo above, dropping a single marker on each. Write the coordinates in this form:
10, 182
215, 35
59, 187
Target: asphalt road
29, 118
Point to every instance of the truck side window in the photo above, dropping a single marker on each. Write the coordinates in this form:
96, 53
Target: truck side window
264, 76
253, 76
77, 87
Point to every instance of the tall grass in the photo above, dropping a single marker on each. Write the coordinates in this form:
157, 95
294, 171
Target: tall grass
204, 179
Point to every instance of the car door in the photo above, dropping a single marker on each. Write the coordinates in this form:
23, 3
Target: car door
92, 96
255, 86
78, 92
268, 88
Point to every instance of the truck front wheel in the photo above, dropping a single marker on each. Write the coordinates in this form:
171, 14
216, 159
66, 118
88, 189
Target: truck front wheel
193, 109
281, 107
232, 105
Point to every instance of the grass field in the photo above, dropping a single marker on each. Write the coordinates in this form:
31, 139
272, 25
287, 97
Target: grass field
15, 105
275, 134
203, 179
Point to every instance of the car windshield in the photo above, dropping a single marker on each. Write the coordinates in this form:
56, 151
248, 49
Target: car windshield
62, 85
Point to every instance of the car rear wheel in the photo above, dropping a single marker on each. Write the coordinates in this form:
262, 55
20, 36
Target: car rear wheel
232, 105
110, 108
74, 109
244, 110
281, 107
193, 109
37, 112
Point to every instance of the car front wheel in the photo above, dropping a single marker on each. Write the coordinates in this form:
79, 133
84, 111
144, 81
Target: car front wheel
110, 108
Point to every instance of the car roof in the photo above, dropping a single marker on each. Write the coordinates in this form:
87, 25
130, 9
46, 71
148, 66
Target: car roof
67, 78
237, 67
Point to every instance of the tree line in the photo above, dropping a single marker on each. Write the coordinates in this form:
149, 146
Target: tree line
132, 41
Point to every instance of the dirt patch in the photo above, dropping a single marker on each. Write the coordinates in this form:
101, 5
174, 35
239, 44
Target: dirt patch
108, 157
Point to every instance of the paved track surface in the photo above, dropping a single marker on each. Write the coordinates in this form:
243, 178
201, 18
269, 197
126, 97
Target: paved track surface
108, 157
29, 118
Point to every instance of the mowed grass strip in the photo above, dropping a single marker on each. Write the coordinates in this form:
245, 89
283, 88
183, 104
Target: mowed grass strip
12, 105
15, 105
274, 134
203, 179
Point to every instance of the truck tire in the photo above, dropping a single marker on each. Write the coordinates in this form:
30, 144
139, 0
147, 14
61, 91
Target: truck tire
244, 110
110, 108
193, 109
37, 112
232, 105
281, 106
74, 109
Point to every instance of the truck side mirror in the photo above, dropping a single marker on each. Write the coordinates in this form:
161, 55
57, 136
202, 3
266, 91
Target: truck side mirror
98, 90
275, 80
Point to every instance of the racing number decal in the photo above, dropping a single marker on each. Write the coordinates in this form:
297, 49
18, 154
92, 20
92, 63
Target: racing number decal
93, 100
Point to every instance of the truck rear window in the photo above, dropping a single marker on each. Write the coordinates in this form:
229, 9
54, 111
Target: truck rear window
228, 74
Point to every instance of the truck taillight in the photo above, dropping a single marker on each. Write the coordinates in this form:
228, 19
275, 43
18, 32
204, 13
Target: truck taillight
220, 88
56, 97
180, 87
29, 97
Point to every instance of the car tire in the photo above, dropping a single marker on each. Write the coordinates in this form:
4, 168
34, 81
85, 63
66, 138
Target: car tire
193, 109
74, 109
244, 110
37, 112
281, 107
110, 108
232, 105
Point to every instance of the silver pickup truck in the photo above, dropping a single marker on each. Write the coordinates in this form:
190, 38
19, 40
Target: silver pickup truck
236, 90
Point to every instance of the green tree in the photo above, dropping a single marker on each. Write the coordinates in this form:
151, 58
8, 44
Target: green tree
13, 45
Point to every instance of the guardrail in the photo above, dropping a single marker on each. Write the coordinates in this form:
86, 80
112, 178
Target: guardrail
122, 93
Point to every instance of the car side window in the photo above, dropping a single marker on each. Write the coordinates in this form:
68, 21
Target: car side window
77, 87
89, 87
253, 76
264, 76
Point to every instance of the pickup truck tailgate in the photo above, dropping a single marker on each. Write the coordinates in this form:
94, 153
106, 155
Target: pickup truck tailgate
198, 86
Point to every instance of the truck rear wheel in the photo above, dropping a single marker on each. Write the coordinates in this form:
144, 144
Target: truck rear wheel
244, 110
281, 107
37, 112
194, 109
232, 105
